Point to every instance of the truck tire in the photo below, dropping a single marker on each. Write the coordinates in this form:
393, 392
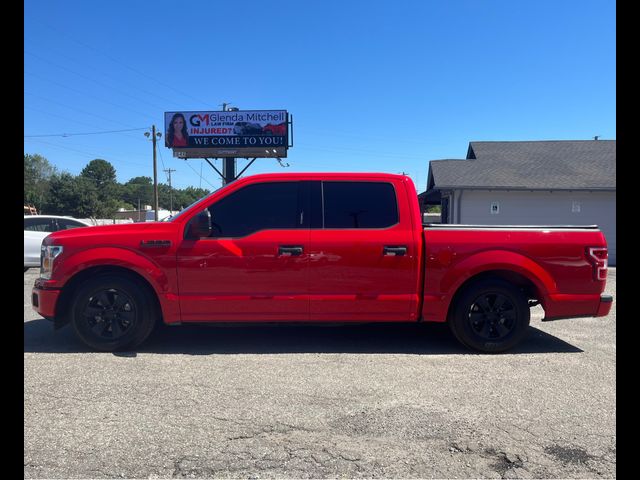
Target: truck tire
113, 312
490, 316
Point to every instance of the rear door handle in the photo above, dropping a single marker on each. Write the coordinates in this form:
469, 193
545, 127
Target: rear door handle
289, 250
395, 251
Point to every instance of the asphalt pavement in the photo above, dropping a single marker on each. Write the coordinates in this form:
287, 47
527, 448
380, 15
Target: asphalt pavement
361, 401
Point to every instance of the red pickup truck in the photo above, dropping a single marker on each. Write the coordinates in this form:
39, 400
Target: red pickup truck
317, 247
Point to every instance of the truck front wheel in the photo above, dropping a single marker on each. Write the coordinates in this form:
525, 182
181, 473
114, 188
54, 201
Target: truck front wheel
490, 316
112, 312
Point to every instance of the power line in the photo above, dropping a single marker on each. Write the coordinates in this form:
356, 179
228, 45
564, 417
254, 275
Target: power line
85, 94
93, 80
77, 109
199, 174
85, 153
121, 63
85, 133
161, 160
119, 79
75, 121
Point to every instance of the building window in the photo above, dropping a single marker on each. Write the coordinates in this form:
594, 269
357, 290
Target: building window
575, 206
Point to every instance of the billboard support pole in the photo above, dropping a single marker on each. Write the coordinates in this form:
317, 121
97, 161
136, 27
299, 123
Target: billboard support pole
229, 165
214, 167
245, 168
229, 170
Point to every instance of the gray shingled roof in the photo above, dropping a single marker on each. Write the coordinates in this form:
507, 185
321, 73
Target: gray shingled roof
548, 165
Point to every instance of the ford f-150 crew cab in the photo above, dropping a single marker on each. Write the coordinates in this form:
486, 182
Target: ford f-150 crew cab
317, 247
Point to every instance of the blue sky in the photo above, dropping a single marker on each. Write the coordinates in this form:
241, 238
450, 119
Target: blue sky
372, 86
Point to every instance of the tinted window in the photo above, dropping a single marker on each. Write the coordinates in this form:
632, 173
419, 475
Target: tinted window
256, 207
359, 205
67, 224
38, 225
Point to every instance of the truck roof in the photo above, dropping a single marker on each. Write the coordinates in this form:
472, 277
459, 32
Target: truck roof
324, 175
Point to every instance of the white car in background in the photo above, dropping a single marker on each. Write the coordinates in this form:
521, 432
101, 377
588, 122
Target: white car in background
36, 227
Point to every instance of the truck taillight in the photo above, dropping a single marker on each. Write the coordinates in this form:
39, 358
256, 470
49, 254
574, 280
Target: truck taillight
599, 258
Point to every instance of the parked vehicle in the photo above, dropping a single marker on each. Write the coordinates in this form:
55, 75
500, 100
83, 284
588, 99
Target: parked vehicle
323, 248
36, 227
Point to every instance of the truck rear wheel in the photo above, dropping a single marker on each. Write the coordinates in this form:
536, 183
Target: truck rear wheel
112, 312
490, 316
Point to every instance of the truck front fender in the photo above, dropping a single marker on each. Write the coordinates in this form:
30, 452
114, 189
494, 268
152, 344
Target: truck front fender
118, 257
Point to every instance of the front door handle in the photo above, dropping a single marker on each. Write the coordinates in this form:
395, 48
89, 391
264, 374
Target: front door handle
289, 250
395, 251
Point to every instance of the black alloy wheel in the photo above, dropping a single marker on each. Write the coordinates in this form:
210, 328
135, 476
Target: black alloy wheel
113, 312
490, 315
110, 313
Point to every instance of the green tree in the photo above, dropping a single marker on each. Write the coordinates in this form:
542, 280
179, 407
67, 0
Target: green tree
163, 196
103, 176
74, 196
138, 189
37, 173
100, 172
185, 197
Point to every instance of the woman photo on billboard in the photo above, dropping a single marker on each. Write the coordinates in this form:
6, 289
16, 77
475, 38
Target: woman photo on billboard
177, 135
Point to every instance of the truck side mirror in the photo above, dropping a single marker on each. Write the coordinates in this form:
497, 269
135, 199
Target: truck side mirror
200, 225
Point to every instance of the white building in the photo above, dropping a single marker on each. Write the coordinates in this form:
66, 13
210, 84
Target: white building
529, 183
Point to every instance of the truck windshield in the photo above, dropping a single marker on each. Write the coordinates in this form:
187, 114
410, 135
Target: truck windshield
184, 210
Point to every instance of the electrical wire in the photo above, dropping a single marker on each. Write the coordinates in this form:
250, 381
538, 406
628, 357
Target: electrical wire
84, 133
84, 94
162, 161
83, 66
77, 109
199, 174
76, 121
66, 34
84, 152
93, 80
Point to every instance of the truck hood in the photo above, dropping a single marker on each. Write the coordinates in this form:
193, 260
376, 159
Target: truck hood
114, 232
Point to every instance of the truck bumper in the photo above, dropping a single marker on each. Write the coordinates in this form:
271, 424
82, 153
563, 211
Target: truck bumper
44, 301
606, 301
559, 306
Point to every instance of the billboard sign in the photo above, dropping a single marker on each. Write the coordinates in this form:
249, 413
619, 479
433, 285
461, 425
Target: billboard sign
240, 133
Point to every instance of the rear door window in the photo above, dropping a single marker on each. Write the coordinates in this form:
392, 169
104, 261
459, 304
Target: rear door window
359, 205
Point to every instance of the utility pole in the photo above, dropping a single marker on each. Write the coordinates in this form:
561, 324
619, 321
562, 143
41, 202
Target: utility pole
229, 163
154, 135
168, 171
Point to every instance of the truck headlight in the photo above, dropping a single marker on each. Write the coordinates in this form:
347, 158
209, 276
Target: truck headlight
47, 255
